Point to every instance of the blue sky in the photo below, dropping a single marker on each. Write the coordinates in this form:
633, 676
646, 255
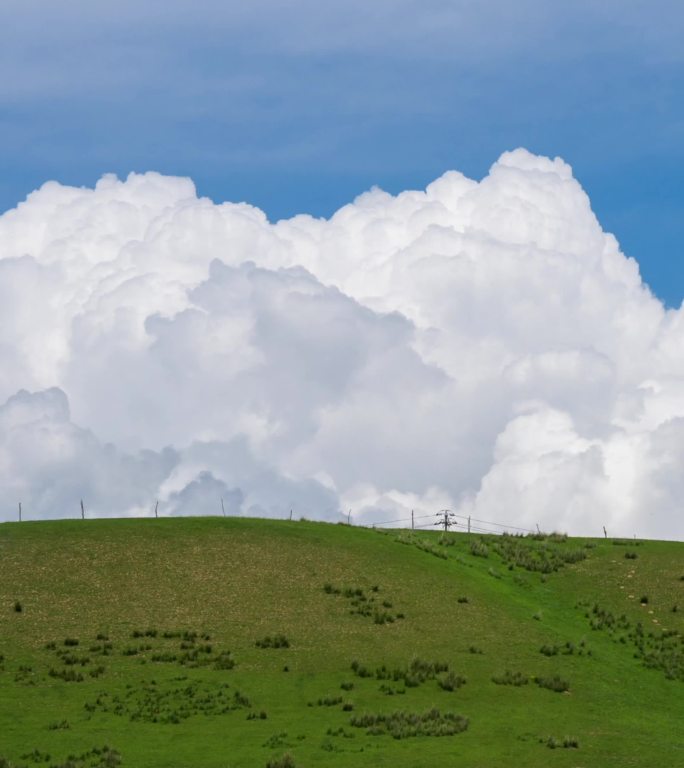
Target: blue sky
300, 106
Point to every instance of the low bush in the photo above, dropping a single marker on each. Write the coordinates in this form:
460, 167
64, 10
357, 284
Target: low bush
568, 742
450, 681
402, 725
479, 548
61, 725
276, 641
329, 701
286, 761
554, 683
511, 678
549, 650
68, 675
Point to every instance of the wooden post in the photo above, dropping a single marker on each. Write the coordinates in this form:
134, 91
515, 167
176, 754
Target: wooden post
19, 511
156, 508
223, 508
82, 510
605, 532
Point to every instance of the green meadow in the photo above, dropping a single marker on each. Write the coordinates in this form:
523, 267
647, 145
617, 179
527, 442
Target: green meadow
217, 643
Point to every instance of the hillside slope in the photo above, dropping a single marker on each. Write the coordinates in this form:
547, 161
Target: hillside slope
212, 643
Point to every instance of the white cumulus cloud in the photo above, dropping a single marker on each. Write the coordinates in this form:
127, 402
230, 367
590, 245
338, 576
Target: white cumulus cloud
483, 346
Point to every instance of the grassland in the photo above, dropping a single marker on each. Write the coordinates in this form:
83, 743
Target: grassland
217, 643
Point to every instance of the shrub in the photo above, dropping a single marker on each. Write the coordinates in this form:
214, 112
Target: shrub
277, 641
224, 661
257, 715
18, 607
511, 678
549, 650
631, 555
286, 761
568, 742
402, 725
97, 671
62, 725
329, 701
68, 675
70, 642
463, 599
382, 617
450, 681
479, 548
360, 670
644, 600
554, 683
346, 685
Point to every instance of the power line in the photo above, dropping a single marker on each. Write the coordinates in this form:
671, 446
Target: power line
445, 519
450, 518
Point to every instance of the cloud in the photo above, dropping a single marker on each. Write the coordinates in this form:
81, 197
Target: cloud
483, 346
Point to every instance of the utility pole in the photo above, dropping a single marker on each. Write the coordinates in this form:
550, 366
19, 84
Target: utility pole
156, 508
446, 519
82, 510
468, 523
412, 521
290, 514
349, 517
223, 509
605, 532
19, 511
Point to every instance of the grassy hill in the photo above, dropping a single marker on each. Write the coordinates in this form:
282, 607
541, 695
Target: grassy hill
222, 643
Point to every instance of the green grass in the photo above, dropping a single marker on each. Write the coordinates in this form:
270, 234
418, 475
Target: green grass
160, 643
